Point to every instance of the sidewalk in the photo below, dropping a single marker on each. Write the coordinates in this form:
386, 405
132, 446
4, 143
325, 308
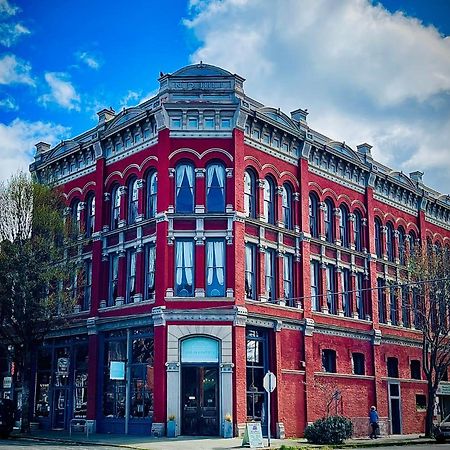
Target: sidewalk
201, 443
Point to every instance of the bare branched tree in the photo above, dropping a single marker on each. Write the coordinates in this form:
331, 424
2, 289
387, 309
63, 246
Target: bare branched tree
430, 274
33, 273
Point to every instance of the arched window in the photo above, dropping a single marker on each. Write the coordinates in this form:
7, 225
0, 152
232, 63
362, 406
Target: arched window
390, 241
269, 201
75, 217
328, 216
286, 206
313, 215
343, 226
115, 207
412, 242
184, 201
215, 188
152, 191
401, 245
250, 194
90, 215
357, 231
133, 200
378, 248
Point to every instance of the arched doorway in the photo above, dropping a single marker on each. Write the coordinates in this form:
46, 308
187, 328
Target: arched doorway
200, 402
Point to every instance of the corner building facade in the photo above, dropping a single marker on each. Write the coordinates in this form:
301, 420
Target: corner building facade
216, 239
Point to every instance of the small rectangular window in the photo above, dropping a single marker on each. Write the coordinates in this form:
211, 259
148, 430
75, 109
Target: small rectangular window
285, 147
392, 367
137, 138
415, 370
176, 122
225, 122
266, 138
127, 141
256, 134
358, 364
208, 123
192, 123
147, 133
421, 402
329, 361
276, 142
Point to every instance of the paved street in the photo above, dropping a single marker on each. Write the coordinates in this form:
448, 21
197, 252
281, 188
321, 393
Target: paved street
21, 444
411, 447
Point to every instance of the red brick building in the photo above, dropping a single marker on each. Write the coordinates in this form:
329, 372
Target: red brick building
218, 239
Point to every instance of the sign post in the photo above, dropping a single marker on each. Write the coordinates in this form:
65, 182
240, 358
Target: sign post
269, 383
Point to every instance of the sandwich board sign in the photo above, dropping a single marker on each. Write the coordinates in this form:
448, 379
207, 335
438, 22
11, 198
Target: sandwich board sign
253, 435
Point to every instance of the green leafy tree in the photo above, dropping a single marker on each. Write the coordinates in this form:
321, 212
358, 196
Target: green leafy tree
429, 268
34, 273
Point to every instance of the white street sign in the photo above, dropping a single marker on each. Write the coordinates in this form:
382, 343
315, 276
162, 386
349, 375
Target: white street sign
270, 382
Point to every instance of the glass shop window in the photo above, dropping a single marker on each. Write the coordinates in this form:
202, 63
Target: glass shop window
142, 378
114, 390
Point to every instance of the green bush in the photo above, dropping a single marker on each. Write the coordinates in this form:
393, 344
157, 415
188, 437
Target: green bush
329, 430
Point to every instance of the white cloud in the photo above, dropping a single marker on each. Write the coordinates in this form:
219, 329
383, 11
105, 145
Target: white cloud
6, 9
10, 33
8, 103
88, 59
130, 99
17, 140
13, 70
365, 74
62, 91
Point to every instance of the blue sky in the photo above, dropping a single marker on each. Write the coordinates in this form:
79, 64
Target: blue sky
366, 71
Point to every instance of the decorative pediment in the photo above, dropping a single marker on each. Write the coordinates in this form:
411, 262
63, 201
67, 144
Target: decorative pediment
344, 149
63, 148
402, 178
126, 115
278, 116
201, 70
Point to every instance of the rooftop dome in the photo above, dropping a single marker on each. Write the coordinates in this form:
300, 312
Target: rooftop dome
201, 70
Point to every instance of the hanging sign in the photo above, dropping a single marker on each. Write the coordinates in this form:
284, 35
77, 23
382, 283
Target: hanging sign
253, 435
7, 382
117, 370
443, 388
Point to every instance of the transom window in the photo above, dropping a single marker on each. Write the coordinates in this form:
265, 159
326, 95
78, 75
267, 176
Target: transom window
184, 201
215, 188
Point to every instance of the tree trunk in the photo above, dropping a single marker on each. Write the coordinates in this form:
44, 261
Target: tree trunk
26, 389
430, 410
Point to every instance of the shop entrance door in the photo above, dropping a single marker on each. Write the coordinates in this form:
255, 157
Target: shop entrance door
200, 401
60, 400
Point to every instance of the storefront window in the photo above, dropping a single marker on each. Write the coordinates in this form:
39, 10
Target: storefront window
114, 390
142, 378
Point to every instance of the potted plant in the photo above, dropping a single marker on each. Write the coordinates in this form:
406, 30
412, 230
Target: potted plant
171, 426
228, 426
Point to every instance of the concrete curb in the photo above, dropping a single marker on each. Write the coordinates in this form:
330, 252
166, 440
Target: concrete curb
288, 443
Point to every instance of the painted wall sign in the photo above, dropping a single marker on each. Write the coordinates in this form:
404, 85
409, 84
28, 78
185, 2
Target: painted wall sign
117, 370
200, 350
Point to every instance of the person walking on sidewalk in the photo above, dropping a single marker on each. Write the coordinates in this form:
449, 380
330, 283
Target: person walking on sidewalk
373, 419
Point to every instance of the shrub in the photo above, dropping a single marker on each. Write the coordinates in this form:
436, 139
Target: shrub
329, 430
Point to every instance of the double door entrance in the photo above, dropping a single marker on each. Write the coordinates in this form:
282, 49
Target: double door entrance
200, 400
